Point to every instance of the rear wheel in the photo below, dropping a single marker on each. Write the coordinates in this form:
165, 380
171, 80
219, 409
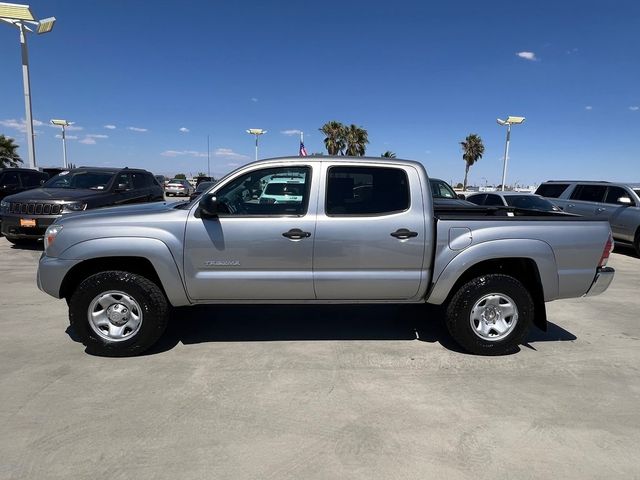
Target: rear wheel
118, 313
490, 315
636, 243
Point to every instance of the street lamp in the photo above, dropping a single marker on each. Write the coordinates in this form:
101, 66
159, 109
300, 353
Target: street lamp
508, 122
63, 124
20, 16
257, 132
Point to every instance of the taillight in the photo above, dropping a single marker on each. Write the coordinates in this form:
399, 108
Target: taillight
606, 252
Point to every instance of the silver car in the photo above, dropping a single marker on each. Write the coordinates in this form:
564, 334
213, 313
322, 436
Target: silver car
617, 202
178, 186
526, 200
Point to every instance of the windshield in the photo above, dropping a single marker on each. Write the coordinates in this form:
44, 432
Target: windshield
529, 201
85, 180
440, 189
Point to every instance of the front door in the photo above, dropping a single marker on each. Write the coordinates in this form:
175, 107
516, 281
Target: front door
260, 246
370, 235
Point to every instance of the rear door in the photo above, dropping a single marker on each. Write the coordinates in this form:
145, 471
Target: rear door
623, 217
370, 234
585, 199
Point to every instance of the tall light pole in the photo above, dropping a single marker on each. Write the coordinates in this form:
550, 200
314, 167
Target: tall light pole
508, 122
64, 124
257, 132
20, 16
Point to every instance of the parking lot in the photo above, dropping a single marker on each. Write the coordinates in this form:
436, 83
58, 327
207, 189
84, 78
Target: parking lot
297, 392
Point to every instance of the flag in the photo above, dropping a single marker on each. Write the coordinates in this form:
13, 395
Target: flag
303, 151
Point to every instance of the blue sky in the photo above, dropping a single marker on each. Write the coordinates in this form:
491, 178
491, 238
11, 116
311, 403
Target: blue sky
419, 76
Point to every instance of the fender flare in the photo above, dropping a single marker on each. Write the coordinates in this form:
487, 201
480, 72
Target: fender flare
152, 249
537, 250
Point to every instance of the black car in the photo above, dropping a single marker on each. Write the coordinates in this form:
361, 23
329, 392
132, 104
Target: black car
202, 186
16, 180
26, 215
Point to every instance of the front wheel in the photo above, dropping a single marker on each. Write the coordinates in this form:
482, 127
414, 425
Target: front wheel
118, 314
490, 315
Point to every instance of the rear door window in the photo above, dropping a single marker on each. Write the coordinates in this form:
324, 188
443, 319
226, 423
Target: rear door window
31, 179
477, 199
10, 179
366, 191
552, 190
589, 193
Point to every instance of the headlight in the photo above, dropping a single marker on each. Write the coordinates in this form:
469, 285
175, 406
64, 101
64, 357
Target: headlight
51, 234
73, 207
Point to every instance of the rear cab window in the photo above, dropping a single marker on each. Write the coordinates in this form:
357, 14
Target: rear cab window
614, 194
366, 191
589, 193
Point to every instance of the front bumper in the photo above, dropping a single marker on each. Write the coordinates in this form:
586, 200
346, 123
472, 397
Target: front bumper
51, 273
10, 226
601, 281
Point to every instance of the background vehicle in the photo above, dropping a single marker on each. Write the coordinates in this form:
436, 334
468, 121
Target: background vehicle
202, 186
204, 178
619, 203
529, 201
161, 179
178, 186
26, 215
444, 196
120, 269
283, 189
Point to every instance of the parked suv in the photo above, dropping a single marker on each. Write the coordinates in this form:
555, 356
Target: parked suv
26, 215
15, 180
618, 202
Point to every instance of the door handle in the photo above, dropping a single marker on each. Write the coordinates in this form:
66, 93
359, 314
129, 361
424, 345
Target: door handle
296, 234
600, 209
403, 234
571, 205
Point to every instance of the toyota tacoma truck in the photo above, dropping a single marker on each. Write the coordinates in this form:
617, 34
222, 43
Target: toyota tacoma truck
362, 230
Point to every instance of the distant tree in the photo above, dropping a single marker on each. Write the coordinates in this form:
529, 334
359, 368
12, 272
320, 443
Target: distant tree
459, 185
8, 155
357, 139
334, 141
181, 176
388, 154
472, 151
202, 174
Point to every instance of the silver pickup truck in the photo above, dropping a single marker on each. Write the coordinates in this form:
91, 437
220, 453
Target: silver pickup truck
320, 230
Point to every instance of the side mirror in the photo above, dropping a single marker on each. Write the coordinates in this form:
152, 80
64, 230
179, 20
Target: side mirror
122, 187
461, 197
208, 206
624, 201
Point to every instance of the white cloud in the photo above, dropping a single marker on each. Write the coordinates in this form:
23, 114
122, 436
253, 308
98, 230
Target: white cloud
184, 130
588, 107
527, 56
229, 154
97, 135
573, 50
110, 127
68, 137
137, 129
254, 99
182, 153
21, 125
233, 164
634, 108
88, 141
291, 132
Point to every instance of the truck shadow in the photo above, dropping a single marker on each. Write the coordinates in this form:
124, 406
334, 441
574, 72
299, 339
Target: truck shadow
626, 250
267, 323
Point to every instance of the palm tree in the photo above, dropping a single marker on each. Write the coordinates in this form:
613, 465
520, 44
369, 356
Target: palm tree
472, 151
357, 139
388, 154
8, 155
334, 140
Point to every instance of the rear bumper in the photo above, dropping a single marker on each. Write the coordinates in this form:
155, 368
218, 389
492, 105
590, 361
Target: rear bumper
601, 282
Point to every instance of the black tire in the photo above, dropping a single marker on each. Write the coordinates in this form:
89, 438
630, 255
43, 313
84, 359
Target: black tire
459, 311
636, 243
152, 303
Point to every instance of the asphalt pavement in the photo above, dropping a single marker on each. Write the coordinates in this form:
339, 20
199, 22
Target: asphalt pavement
319, 392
